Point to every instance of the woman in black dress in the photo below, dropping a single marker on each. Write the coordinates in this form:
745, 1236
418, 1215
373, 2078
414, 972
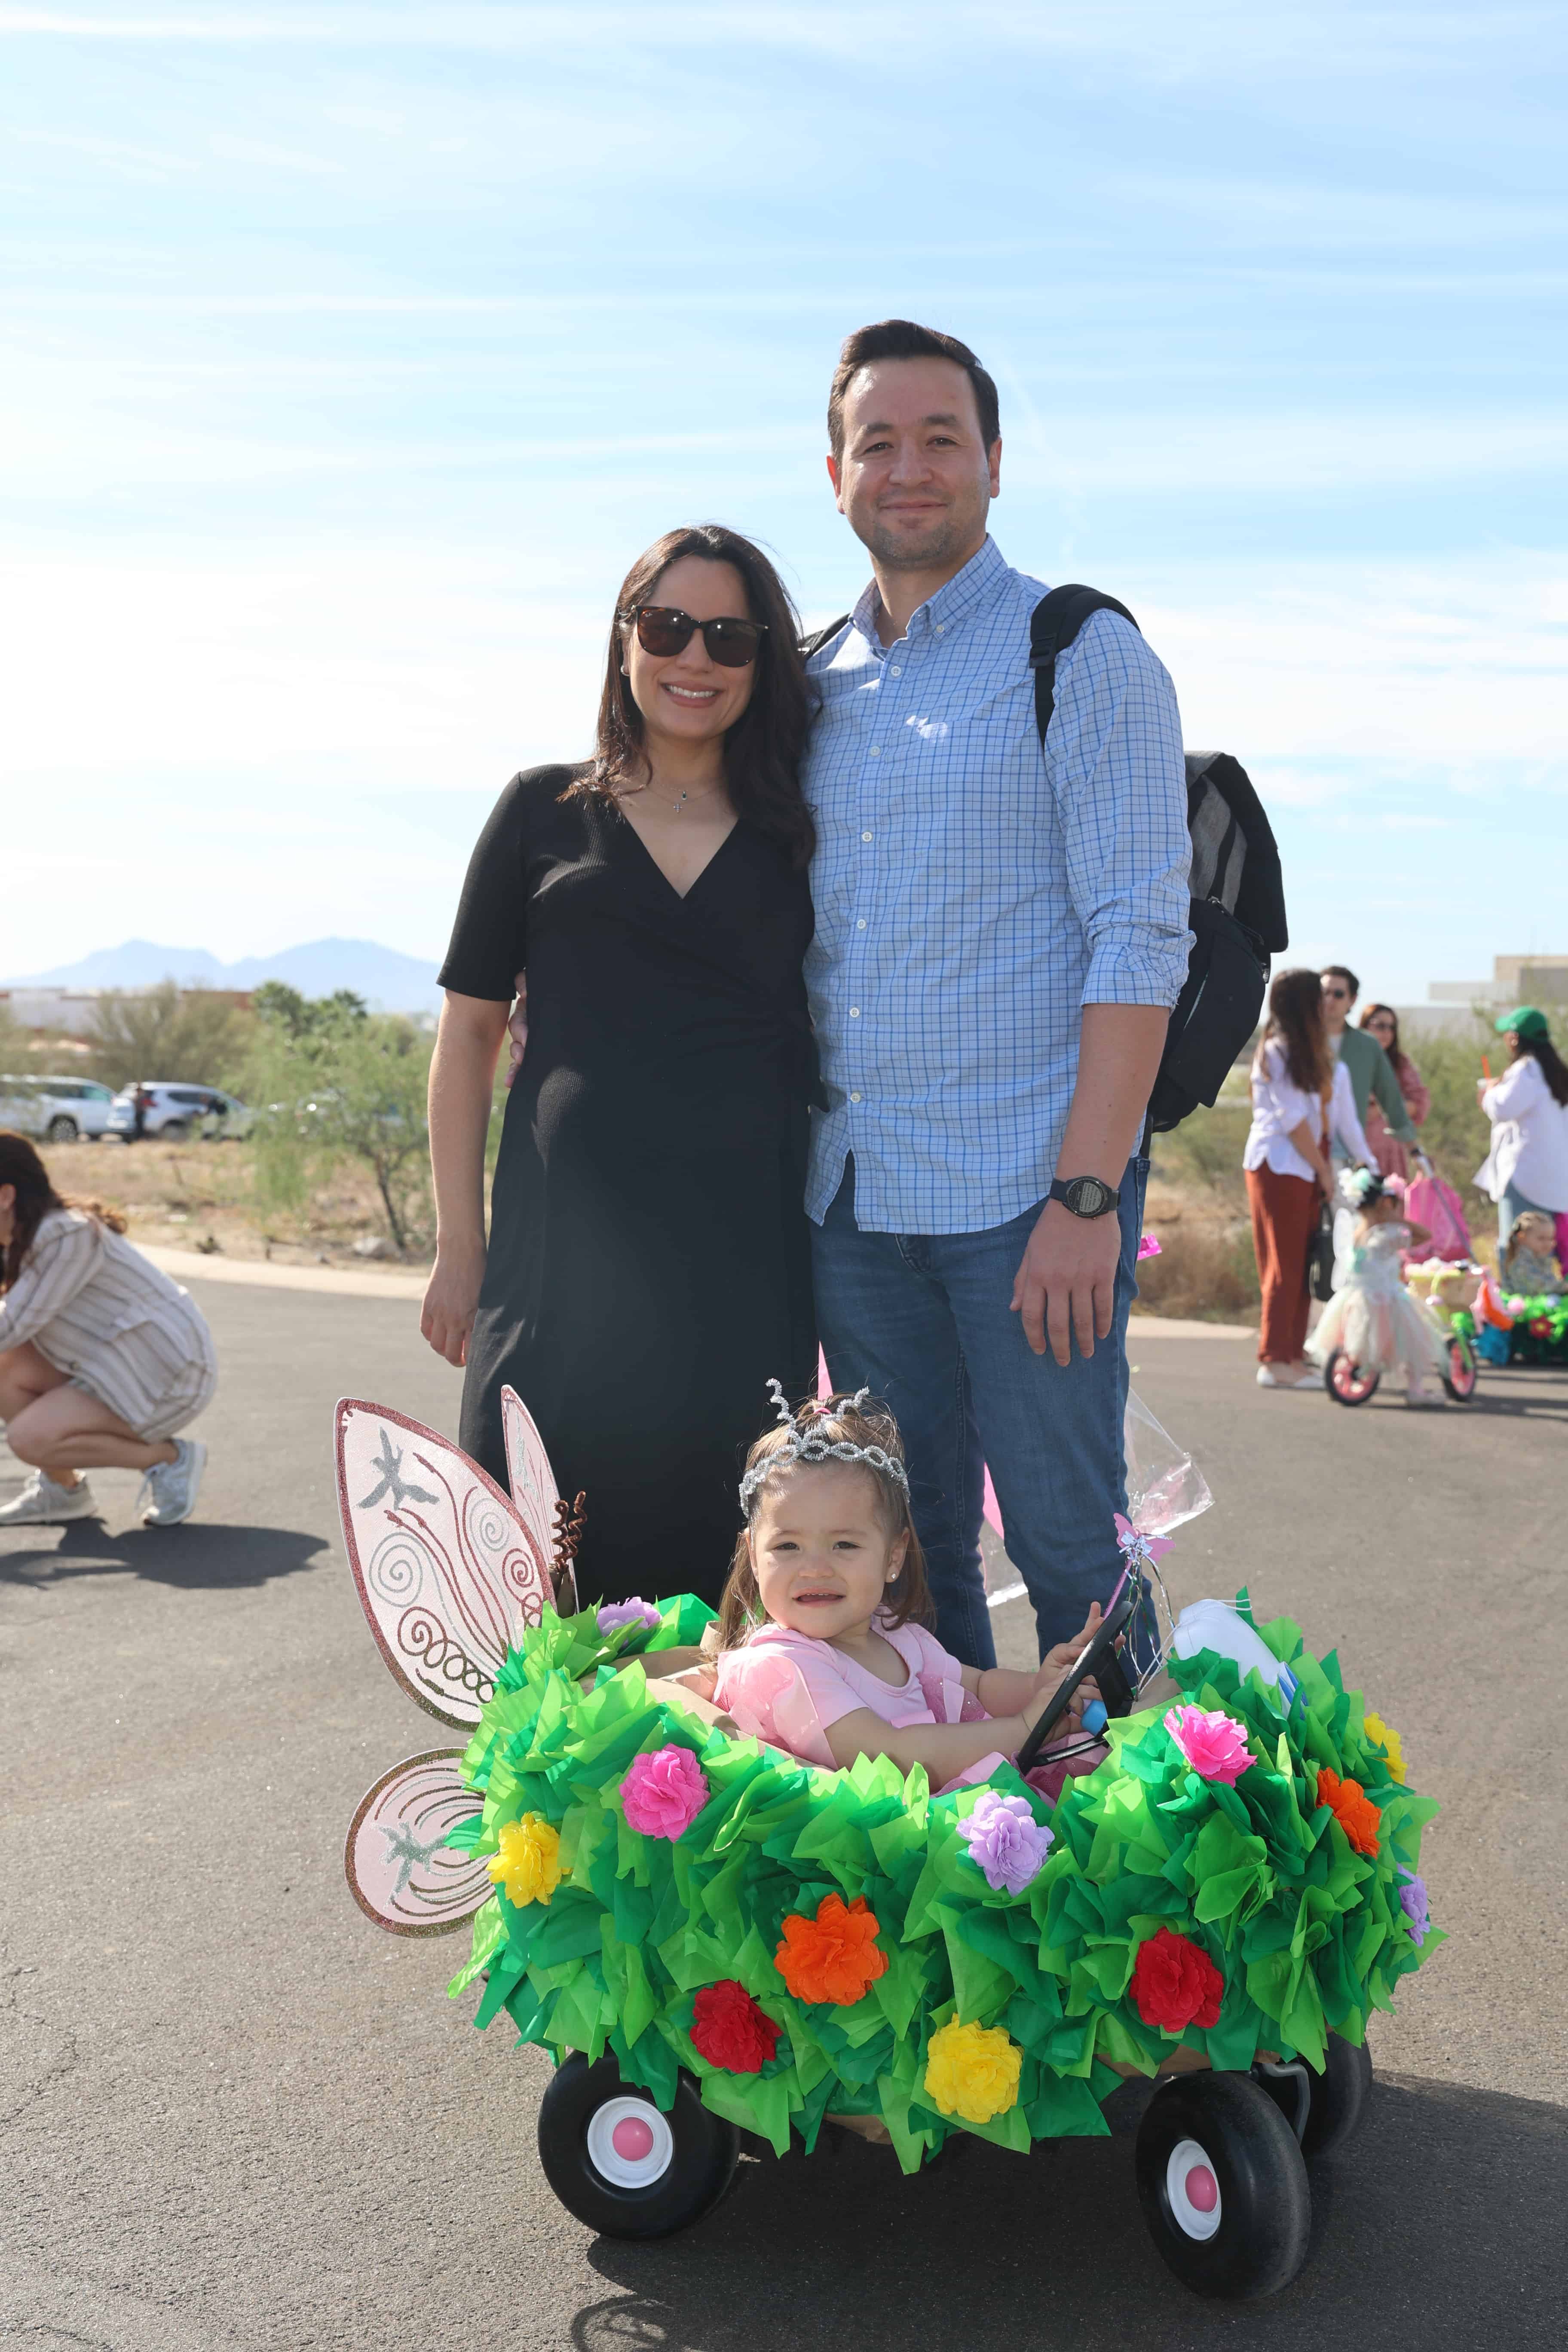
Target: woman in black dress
647, 1268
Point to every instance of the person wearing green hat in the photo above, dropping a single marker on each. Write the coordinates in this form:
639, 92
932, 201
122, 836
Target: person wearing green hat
1527, 1167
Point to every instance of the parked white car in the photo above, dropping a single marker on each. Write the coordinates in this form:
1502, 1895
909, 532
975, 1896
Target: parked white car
56, 1110
173, 1111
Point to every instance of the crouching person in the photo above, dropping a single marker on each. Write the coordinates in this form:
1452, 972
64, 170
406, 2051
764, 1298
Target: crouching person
102, 1358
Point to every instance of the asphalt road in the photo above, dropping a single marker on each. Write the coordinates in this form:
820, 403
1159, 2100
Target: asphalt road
234, 2113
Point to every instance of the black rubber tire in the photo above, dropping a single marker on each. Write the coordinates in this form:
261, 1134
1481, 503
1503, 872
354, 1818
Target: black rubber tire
1340, 2095
1459, 1378
1362, 1396
706, 2152
1265, 2204
62, 1130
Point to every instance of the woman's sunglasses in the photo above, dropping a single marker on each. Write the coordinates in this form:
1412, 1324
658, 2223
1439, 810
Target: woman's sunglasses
665, 629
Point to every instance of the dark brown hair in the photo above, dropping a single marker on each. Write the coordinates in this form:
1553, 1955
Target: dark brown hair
1550, 1061
762, 751
900, 339
36, 1199
1295, 1024
1394, 1050
1341, 971
837, 1420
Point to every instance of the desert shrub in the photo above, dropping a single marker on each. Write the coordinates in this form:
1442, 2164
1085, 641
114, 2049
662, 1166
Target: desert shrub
167, 1031
333, 1083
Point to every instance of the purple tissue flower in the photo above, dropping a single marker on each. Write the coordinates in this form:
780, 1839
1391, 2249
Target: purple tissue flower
613, 1614
1006, 1841
1413, 1902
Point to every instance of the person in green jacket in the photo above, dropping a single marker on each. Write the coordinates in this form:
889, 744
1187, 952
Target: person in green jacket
1372, 1074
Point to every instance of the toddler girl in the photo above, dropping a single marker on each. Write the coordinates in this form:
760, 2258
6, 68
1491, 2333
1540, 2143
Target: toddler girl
824, 1646
1371, 1316
1529, 1268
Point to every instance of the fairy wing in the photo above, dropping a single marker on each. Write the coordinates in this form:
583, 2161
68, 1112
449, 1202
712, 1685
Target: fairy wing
446, 1571
528, 1473
400, 1869
533, 1490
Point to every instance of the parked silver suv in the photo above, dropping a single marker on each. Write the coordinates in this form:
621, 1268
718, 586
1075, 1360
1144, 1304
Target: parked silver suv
56, 1110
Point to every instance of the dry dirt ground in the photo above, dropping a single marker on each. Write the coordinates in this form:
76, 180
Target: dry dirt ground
233, 2114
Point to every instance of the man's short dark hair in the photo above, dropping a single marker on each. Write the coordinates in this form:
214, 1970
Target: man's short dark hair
900, 339
1341, 971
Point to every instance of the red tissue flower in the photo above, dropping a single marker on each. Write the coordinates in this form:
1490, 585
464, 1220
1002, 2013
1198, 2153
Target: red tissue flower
1175, 1984
730, 2031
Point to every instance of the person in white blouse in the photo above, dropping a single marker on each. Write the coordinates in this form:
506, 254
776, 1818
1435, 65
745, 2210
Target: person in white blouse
102, 1358
1527, 1167
1302, 1109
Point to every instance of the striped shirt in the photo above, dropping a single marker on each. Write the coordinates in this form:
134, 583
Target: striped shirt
973, 892
98, 1310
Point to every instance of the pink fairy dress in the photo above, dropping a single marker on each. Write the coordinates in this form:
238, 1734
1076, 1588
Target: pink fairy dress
1373, 1315
788, 1689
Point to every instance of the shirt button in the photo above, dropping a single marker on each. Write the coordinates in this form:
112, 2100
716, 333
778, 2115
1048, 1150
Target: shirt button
864, 836
940, 626
854, 1098
854, 1013
895, 671
861, 924
876, 750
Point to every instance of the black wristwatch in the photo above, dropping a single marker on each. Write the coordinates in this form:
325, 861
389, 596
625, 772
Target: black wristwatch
1086, 1196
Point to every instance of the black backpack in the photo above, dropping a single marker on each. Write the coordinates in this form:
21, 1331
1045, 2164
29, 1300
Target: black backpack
1237, 914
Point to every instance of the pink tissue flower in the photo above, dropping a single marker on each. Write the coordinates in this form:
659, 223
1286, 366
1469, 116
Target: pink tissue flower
1214, 1744
1149, 1247
663, 1793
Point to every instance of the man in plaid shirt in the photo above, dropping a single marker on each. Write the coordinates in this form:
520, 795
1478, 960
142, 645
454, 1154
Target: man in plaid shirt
1000, 933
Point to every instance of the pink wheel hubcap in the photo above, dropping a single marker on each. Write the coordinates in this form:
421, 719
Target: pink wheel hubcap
632, 2138
1202, 2188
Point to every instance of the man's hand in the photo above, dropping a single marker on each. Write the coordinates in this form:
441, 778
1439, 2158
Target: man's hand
1066, 1283
517, 1027
451, 1301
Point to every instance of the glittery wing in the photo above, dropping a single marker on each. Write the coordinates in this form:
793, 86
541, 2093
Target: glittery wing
401, 1872
446, 1570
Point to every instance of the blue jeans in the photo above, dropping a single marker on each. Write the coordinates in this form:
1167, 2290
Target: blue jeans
923, 1320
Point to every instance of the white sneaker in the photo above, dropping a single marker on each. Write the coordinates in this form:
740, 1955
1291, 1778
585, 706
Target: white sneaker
1268, 1378
172, 1487
42, 1504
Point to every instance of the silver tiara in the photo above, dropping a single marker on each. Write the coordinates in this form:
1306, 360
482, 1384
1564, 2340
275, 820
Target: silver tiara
805, 1444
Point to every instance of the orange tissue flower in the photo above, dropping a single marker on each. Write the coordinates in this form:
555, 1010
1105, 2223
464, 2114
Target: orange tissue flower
832, 1956
1351, 1807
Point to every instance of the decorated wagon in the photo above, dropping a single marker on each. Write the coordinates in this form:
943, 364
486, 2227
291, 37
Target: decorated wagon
711, 1937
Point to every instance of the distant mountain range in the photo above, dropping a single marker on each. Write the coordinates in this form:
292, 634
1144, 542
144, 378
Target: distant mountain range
388, 982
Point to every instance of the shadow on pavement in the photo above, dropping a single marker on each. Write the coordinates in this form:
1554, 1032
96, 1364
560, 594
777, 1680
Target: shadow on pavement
1441, 2221
194, 1558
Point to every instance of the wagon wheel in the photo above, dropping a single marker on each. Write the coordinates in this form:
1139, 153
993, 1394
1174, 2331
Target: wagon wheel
1223, 2186
622, 2167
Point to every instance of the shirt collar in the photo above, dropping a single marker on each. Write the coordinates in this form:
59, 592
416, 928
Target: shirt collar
980, 577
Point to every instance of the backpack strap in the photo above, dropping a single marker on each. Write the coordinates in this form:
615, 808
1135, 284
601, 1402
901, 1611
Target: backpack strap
819, 637
1054, 624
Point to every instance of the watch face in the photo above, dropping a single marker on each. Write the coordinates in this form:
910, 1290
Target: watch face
1088, 1197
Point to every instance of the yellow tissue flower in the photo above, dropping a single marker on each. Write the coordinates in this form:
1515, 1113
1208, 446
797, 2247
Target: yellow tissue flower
529, 1863
972, 2071
1383, 1736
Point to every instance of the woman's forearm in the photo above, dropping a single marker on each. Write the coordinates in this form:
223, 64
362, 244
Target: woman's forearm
1310, 1147
462, 1079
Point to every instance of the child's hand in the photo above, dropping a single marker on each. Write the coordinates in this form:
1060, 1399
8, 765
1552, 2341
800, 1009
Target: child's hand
1056, 1663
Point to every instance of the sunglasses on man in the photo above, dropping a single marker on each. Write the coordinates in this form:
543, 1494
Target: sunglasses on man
665, 629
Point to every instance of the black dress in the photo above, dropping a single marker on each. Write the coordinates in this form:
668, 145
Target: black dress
648, 1263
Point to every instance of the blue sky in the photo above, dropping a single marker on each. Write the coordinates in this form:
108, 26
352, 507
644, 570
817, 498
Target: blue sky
348, 355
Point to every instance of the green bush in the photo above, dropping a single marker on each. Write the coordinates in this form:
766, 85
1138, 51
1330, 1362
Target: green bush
333, 1082
167, 1031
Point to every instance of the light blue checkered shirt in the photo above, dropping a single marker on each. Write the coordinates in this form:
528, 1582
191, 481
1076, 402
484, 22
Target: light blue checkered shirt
973, 893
